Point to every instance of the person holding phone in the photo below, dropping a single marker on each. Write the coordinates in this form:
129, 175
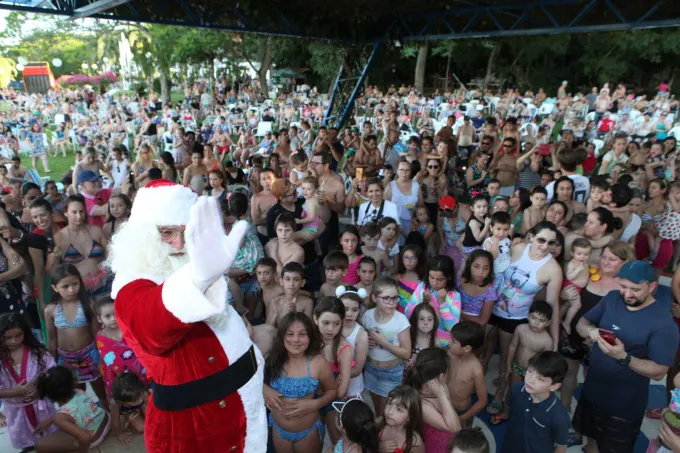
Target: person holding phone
530, 165
645, 342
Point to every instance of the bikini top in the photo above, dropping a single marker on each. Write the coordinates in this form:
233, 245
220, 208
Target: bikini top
72, 255
60, 321
336, 366
295, 387
402, 449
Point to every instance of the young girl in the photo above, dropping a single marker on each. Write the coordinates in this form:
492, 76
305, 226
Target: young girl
130, 398
357, 424
22, 359
669, 233
400, 425
80, 421
389, 237
477, 291
120, 207
577, 275
428, 377
367, 274
424, 324
294, 370
439, 292
349, 241
310, 211
329, 315
389, 342
477, 226
72, 329
421, 222
411, 271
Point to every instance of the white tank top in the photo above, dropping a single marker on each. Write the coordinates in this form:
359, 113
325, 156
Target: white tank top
405, 203
356, 384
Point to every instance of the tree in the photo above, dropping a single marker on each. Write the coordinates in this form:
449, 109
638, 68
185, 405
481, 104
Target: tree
420, 67
7, 71
490, 63
263, 44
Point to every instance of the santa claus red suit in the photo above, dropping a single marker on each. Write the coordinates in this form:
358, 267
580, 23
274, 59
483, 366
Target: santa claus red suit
170, 304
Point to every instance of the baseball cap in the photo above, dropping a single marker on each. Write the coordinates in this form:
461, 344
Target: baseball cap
87, 176
279, 187
637, 272
447, 202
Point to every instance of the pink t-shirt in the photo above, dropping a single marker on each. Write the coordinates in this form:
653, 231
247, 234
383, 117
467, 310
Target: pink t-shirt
91, 201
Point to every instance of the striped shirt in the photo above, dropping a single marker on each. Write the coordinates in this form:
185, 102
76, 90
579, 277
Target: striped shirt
448, 312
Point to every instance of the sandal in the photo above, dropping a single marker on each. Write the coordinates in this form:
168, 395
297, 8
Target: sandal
496, 420
654, 414
494, 408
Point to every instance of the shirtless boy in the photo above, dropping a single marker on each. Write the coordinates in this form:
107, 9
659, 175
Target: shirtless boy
536, 212
370, 235
16, 171
284, 249
262, 202
292, 279
335, 267
270, 289
466, 374
527, 341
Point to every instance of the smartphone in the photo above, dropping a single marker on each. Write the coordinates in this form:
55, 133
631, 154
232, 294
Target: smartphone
360, 173
131, 178
543, 150
608, 336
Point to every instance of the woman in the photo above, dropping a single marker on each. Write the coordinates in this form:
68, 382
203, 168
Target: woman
621, 196
35, 135
598, 229
564, 191
424, 123
376, 207
169, 171
12, 267
651, 216
529, 166
254, 180
216, 186
90, 162
209, 160
556, 213
405, 193
572, 346
477, 176
234, 174
433, 187
82, 245
142, 165
194, 174
531, 268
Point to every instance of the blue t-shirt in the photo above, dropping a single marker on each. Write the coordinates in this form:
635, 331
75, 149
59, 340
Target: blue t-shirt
648, 334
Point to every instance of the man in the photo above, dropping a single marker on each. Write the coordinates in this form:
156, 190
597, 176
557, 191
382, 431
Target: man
335, 147
567, 160
170, 305
368, 157
118, 167
96, 198
639, 346
445, 135
505, 167
388, 154
331, 198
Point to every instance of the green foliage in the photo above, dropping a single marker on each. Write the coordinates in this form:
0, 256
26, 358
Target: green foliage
7, 71
325, 60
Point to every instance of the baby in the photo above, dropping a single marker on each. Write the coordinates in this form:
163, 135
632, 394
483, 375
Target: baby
576, 275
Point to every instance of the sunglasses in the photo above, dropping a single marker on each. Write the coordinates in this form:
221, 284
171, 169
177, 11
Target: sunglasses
542, 241
506, 146
433, 166
445, 210
486, 143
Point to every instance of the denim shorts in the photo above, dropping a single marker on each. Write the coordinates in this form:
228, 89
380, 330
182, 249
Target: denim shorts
250, 286
382, 381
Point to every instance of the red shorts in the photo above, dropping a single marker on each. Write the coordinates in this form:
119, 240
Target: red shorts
663, 257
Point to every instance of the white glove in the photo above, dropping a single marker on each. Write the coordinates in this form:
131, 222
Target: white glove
211, 252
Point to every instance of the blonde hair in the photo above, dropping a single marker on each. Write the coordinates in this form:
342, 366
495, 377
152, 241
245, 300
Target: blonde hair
311, 180
621, 249
383, 283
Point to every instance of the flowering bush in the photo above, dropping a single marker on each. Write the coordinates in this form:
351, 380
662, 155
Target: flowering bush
82, 79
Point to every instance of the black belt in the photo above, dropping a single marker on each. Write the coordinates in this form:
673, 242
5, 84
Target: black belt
210, 388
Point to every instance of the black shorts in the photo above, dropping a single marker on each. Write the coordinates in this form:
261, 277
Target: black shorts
612, 434
506, 325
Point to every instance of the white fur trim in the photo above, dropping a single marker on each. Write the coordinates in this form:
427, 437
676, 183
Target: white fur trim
167, 205
234, 338
187, 303
121, 279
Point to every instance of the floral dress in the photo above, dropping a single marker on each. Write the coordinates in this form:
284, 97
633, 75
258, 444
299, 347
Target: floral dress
117, 357
10, 291
38, 144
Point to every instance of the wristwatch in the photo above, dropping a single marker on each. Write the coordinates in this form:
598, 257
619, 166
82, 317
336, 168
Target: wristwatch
624, 362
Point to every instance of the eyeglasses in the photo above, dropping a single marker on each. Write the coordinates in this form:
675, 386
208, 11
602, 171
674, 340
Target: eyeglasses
409, 258
542, 241
506, 146
486, 143
315, 163
389, 299
433, 166
168, 236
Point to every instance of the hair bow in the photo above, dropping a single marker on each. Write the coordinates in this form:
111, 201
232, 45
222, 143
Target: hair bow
342, 290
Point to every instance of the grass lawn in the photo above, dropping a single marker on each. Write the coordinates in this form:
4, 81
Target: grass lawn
59, 165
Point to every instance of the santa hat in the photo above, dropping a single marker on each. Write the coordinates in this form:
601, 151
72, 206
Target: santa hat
162, 202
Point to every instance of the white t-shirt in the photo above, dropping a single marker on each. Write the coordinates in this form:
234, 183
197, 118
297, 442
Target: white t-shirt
119, 171
390, 331
502, 261
632, 228
369, 213
581, 188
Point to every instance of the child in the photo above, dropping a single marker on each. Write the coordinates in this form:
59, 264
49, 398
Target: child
477, 226
23, 359
130, 399
528, 340
424, 324
335, 266
536, 212
467, 374
295, 371
477, 290
577, 275
400, 425
292, 280
439, 292
120, 207
411, 271
493, 188
389, 342
669, 420
499, 245
428, 377
530, 417
297, 173
367, 274
310, 220
357, 425
72, 343
355, 335
370, 235
284, 248
450, 227
669, 233
329, 315
598, 187
80, 421
389, 237
270, 289
470, 440
422, 223
349, 240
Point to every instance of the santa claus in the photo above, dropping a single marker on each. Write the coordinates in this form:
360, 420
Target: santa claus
169, 259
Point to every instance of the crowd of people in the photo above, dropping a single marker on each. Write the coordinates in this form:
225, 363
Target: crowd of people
392, 258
